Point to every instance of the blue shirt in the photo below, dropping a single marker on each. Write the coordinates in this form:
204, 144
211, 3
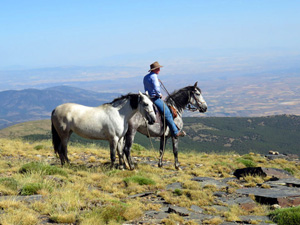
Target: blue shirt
151, 85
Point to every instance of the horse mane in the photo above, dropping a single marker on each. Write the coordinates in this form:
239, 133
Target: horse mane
180, 97
134, 100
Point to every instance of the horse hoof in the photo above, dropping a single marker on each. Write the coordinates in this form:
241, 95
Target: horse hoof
160, 165
131, 167
177, 167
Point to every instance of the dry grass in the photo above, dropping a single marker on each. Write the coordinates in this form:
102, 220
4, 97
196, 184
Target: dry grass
214, 221
91, 193
17, 213
252, 181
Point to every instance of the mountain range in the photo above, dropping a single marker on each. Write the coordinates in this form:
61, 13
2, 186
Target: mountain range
237, 96
18, 106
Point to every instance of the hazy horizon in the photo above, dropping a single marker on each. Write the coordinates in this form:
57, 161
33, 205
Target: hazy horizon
238, 51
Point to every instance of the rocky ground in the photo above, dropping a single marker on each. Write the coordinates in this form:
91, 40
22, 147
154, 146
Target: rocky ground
281, 190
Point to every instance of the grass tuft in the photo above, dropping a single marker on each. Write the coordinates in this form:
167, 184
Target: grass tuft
42, 168
38, 147
178, 192
9, 183
289, 170
113, 212
139, 180
213, 221
31, 189
289, 216
247, 162
63, 218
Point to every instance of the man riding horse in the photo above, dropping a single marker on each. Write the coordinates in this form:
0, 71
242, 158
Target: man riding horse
151, 84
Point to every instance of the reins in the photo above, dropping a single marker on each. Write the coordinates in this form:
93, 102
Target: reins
148, 133
165, 89
164, 143
163, 86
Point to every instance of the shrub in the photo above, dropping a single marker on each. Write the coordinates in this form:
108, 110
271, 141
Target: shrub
42, 168
9, 182
137, 148
139, 179
289, 216
38, 147
289, 170
246, 162
31, 189
248, 156
178, 192
63, 218
113, 212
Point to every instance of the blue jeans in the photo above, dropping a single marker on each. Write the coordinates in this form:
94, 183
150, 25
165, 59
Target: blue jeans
162, 107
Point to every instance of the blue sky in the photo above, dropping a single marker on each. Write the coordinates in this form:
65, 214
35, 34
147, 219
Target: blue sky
54, 33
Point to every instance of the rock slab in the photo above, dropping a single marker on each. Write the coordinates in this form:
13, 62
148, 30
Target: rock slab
283, 196
274, 173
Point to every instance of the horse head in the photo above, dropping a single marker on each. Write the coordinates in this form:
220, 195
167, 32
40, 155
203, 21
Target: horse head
146, 108
196, 100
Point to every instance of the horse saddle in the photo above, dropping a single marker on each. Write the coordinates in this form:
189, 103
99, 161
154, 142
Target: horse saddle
160, 117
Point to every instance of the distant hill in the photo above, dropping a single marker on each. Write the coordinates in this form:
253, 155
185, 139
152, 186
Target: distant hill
206, 134
244, 134
35, 104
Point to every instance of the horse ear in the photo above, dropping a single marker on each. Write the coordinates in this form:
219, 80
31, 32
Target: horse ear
147, 93
140, 95
195, 85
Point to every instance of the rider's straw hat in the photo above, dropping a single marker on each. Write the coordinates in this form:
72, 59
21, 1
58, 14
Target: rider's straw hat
154, 66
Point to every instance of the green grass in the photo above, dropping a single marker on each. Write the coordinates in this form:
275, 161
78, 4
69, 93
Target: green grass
113, 212
42, 168
31, 189
38, 147
9, 182
139, 180
290, 216
247, 162
178, 192
289, 170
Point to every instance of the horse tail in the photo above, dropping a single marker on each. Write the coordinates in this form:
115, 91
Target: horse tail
56, 141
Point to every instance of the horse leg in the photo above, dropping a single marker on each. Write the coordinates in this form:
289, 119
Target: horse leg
175, 152
120, 153
60, 142
113, 145
57, 139
64, 152
64, 143
163, 142
60, 153
129, 137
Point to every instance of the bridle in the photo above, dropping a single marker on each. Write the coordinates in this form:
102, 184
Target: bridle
193, 109
189, 106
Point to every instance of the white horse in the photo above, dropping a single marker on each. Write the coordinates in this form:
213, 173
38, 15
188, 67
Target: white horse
106, 122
